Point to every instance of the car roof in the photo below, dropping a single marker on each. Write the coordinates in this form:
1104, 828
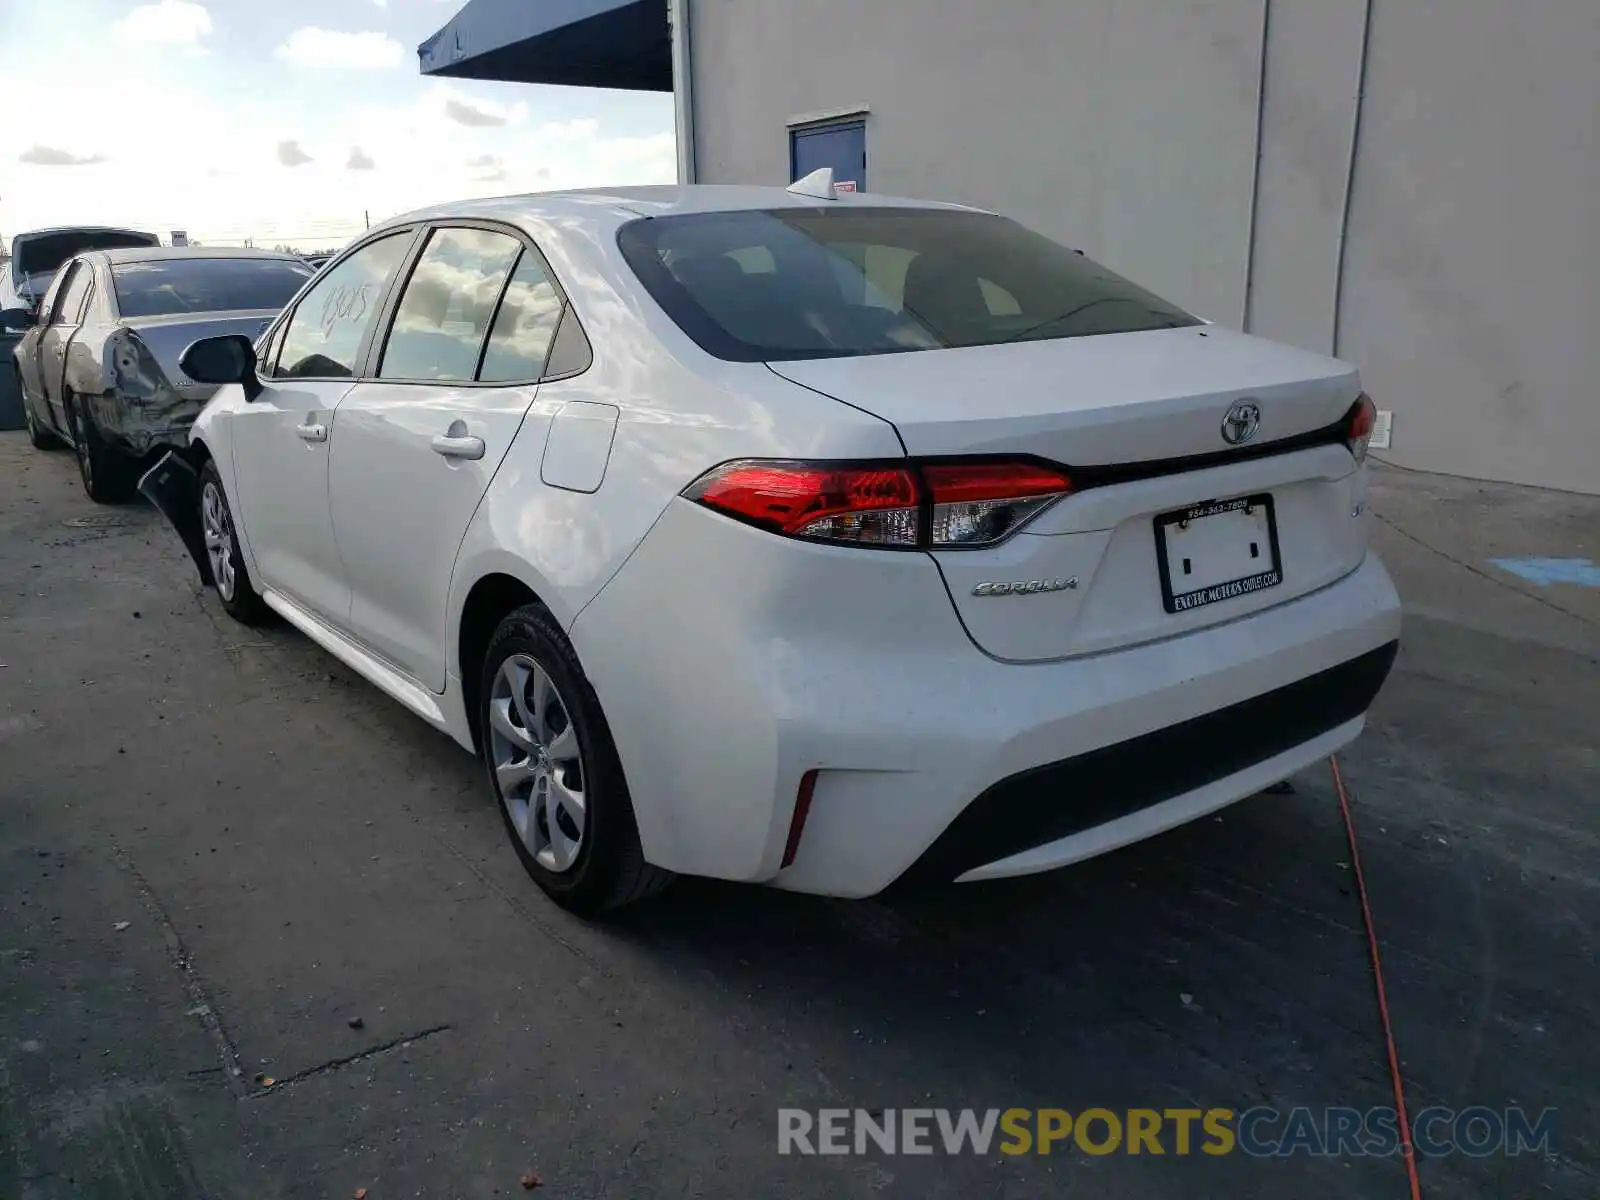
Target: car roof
136, 254
654, 201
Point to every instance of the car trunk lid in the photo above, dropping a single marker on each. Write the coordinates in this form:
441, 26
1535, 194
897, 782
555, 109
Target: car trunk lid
1089, 401
167, 337
1138, 420
35, 257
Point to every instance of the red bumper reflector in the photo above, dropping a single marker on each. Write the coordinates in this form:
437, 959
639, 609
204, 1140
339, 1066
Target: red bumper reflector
797, 823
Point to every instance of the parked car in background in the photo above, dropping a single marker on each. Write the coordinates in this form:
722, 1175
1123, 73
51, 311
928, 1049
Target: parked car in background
37, 255
98, 369
797, 537
317, 261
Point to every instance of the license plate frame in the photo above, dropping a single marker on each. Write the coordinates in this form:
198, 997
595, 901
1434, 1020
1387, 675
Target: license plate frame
1228, 589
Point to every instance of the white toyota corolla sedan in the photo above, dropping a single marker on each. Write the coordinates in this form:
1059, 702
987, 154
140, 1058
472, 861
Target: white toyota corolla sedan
810, 539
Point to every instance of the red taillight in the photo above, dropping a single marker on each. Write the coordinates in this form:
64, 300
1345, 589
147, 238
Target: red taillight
1359, 423
898, 504
869, 503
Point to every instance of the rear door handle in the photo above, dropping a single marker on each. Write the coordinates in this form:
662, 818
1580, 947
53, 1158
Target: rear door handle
312, 433
461, 446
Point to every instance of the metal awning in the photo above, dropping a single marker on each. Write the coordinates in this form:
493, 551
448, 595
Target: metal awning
581, 43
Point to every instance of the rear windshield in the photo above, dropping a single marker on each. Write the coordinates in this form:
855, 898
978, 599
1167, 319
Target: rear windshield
193, 285
832, 283
46, 252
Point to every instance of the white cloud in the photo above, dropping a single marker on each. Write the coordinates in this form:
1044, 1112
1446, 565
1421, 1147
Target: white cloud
290, 154
327, 48
473, 111
51, 156
463, 113
180, 23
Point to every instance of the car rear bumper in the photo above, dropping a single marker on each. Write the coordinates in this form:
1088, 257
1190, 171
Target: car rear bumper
1059, 812
726, 677
1096, 753
141, 430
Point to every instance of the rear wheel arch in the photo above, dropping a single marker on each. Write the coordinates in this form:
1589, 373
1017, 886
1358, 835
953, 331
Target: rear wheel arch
576, 835
489, 601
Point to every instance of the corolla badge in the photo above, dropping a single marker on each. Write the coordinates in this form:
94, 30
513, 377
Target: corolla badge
1241, 422
1025, 587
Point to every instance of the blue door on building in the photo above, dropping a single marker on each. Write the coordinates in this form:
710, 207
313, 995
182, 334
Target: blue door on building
842, 146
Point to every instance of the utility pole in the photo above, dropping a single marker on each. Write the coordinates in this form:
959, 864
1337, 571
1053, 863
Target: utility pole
367, 217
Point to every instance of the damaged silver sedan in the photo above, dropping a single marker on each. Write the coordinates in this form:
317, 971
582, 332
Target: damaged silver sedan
98, 367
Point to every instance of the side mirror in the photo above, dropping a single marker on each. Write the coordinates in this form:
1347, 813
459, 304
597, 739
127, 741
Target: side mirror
228, 358
15, 320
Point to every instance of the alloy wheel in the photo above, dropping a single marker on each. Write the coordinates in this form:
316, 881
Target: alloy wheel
217, 526
538, 762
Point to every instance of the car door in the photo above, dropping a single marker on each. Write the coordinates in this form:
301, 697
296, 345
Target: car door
416, 446
280, 438
62, 324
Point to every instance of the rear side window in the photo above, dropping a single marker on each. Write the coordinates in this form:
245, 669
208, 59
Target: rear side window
164, 287
524, 327
69, 304
444, 313
830, 283
332, 320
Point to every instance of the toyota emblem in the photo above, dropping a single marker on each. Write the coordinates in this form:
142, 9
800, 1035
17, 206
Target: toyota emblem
1240, 423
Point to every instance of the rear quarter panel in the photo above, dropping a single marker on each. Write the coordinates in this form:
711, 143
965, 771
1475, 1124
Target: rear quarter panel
680, 412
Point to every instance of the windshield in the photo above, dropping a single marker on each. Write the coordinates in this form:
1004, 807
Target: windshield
41, 254
830, 283
195, 285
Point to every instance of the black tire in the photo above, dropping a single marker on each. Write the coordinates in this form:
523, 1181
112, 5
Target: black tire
38, 437
245, 604
108, 477
609, 869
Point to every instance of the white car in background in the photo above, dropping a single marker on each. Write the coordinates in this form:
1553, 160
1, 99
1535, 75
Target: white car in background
810, 539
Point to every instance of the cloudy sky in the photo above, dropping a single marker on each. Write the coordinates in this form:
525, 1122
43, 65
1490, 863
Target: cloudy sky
281, 120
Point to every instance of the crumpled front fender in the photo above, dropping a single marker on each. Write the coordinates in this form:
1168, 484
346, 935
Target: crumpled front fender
173, 486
